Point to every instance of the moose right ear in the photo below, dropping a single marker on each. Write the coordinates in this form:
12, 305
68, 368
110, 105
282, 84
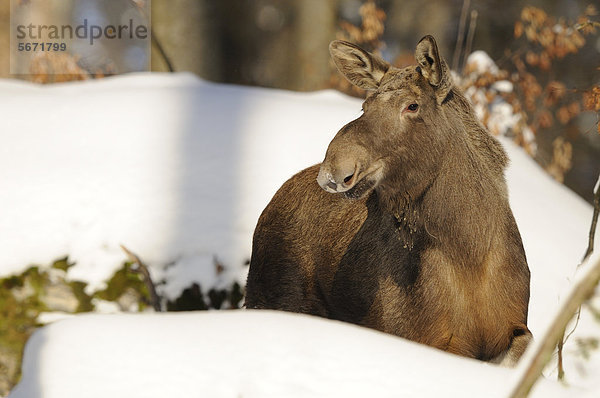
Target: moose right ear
360, 67
433, 67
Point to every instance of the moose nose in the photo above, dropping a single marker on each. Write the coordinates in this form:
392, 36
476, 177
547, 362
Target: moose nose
335, 182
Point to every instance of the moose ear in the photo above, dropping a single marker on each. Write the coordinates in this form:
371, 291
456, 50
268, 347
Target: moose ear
433, 67
360, 67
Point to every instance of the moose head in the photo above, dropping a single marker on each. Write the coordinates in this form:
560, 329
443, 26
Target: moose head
403, 128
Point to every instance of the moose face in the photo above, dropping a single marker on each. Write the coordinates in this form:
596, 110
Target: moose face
400, 128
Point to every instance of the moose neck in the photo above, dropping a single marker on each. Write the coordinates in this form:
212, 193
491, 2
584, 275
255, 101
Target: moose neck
405, 207
444, 203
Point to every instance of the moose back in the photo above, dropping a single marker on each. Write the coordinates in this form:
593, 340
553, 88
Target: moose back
405, 227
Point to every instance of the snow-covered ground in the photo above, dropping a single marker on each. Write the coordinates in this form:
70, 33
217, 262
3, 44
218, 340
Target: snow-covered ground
245, 354
178, 170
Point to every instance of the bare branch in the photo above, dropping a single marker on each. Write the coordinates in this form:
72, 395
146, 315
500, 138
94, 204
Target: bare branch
460, 37
153, 38
470, 36
592, 234
561, 342
143, 270
161, 50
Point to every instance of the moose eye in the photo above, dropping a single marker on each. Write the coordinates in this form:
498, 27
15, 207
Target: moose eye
412, 107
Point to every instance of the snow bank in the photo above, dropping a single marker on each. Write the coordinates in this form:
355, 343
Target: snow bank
176, 169
278, 355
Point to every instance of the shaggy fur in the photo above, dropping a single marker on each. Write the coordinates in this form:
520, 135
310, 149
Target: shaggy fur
414, 236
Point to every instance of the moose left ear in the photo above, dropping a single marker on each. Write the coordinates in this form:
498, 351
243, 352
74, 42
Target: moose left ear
433, 67
360, 67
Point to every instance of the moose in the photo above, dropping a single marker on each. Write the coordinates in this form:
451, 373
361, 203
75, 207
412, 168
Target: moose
408, 228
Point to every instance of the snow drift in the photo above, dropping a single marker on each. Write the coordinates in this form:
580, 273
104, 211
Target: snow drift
276, 355
178, 170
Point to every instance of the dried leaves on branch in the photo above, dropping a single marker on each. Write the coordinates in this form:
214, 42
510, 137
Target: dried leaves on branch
63, 67
369, 34
547, 40
556, 38
541, 100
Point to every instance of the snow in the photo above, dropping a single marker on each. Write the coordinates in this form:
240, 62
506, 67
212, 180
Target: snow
50, 317
490, 104
581, 373
502, 86
480, 62
178, 170
174, 168
502, 117
276, 355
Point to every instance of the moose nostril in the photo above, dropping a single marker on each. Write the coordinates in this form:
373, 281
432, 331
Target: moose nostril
332, 185
348, 179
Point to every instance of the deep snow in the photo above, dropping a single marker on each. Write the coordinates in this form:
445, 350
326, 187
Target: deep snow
174, 168
178, 170
245, 353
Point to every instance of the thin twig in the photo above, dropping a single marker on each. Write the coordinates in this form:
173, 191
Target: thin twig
161, 51
470, 36
588, 252
562, 342
534, 362
574, 326
561, 369
153, 38
592, 234
595, 126
143, 270
461, 34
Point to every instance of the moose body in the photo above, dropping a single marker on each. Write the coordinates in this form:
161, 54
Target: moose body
405, 227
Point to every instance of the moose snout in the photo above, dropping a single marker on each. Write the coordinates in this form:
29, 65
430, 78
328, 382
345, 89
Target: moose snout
338, 180
345, 159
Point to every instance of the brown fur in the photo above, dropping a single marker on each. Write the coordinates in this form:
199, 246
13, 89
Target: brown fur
414, 236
